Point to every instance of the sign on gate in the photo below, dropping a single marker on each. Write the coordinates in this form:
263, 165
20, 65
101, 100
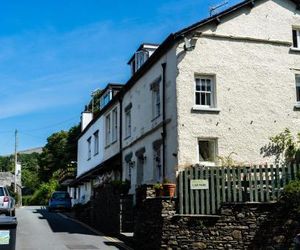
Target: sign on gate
199, 184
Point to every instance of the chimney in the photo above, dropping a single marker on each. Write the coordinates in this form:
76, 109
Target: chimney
86, 118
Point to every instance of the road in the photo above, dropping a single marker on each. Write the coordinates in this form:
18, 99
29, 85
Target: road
40, 230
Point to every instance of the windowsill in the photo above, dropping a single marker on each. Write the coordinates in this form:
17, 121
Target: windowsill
155, 118
205, 109
107, 146
96, 153
89, 158
207, 163
127, 137
297, 106
295, 49
113, 142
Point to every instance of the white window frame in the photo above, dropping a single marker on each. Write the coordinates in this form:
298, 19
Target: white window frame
157, 163
89, 141
211, 92
114, 133
156, 101
96, 142
296, 44
298, 90
107, 130
128, 123
215, 151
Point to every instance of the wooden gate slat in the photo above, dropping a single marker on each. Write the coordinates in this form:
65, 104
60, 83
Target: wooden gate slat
197, 192
186, 192
213, 193
191, 177
202, 204
207, 193
240, 197
181, 192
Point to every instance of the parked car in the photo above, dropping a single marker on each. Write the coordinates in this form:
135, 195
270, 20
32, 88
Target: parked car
60, 200
7, 202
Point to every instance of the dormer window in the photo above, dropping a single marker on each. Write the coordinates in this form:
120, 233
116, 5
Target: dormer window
141, 56
105, 99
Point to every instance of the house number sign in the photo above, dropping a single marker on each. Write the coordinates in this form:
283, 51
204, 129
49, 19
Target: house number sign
199, 184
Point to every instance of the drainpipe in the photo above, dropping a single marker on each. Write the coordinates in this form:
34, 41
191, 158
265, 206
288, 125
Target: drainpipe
164, 132
121, 135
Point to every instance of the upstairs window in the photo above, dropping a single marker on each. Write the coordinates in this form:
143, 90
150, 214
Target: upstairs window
89, 141
140, 58
96, 142
128, 120
155, 88
114, 125
298, 89
105, 99
207, 150
107, 130
205, 91
296, 38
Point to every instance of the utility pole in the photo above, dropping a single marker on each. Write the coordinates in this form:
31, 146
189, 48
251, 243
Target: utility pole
16, 159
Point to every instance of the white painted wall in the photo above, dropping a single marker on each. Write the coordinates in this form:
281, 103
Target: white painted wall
255, 84
105, 151
142, 133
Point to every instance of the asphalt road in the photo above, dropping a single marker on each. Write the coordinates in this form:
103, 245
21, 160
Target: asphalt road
40, 230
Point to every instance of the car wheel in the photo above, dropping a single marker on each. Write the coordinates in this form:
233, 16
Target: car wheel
13, 213
49, 209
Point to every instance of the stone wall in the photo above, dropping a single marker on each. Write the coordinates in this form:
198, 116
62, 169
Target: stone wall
239, 226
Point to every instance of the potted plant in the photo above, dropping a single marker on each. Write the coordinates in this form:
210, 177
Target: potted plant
169, 188
158, 188
121, 187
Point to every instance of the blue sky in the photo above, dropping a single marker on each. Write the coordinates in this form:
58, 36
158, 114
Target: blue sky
54, 53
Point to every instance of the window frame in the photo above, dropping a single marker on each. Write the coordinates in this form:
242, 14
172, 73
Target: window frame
213, 95
96, 142
156, 102
296, 37
114, 129
107, 129
128, 123
297, 77
89, 141
215, 151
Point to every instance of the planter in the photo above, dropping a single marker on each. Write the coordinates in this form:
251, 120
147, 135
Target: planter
169, 189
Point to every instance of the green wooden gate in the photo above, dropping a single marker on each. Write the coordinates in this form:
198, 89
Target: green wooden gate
201, 189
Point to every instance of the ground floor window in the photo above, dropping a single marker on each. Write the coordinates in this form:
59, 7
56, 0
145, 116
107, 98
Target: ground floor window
207, 150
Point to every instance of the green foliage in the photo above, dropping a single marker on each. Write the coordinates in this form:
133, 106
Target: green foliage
30, 170
42, 195
284, 146
121, 186
6, 163
291, 194
26, 200
60, 150
158, 186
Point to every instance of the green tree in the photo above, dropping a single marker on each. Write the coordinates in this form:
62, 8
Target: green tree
284, 146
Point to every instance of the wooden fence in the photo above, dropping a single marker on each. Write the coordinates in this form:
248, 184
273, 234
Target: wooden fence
201, 190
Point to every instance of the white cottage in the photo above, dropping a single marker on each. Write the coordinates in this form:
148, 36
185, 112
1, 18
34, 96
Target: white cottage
220, 87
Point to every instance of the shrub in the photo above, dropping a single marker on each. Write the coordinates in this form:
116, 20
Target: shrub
43, 194
291, 193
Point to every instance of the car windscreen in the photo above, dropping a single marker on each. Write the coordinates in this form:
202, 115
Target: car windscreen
60, 196
2, 191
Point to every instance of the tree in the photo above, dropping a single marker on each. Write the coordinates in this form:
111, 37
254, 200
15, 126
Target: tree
284, 146
59, 152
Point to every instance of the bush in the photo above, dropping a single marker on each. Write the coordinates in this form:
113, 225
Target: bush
291, 193
43, 194
26, 200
